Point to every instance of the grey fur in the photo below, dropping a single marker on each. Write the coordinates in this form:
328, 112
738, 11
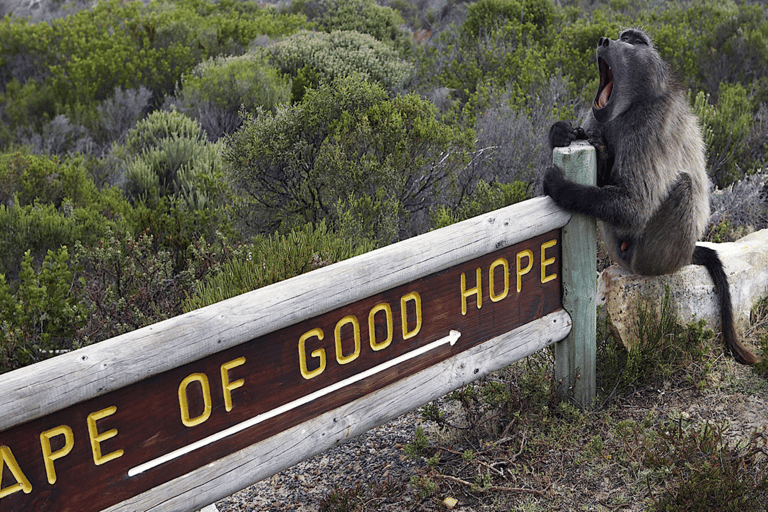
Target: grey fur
652, 195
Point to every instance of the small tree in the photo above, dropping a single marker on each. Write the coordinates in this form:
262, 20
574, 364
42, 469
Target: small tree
348, 154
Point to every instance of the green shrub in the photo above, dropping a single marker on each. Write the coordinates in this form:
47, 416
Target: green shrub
364, 16
216, 89
725, 128
503, 44
485, 198
159, 125
168, 155
26, 179
43, 314
274, 258
340, 54
40, 228
574, 48
485, 16
663, 349
346, 145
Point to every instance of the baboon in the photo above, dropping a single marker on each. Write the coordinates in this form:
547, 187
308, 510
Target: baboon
652, 193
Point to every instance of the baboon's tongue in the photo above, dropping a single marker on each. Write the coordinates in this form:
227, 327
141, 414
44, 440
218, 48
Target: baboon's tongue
602, 99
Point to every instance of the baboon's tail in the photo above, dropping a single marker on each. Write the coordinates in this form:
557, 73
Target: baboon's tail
708, 257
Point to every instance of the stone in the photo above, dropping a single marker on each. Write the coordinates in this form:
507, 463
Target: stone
692, 294
450, 503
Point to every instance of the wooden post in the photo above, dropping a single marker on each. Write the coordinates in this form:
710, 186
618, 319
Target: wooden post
575, 355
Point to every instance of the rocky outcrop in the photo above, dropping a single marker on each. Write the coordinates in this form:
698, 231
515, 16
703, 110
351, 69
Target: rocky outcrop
692, 295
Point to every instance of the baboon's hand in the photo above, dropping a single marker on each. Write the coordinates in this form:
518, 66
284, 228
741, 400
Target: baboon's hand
562, 133
598, 142
554, 181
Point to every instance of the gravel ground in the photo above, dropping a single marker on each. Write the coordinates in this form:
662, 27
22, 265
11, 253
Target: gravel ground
373, 458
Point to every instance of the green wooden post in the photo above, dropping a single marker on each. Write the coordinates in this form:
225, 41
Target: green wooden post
575, 355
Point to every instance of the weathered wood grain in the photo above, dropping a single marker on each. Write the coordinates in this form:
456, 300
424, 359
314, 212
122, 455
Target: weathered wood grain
575, 356
238, 470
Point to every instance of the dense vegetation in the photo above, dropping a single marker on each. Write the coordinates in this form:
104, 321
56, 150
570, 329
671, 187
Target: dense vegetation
156, 156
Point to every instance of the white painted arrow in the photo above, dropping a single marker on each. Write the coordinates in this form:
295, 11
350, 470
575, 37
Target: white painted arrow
452, 337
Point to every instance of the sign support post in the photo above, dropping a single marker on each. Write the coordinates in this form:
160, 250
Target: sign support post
575, 357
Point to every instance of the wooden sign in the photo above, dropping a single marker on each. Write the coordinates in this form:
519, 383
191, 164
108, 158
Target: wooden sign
134, 431
102, 451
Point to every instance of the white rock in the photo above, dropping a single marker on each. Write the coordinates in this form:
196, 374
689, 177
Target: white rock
692, 294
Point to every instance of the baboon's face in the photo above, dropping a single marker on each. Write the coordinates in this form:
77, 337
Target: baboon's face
629, 73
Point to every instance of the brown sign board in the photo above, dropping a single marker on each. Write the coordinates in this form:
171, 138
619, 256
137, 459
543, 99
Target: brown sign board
99, 452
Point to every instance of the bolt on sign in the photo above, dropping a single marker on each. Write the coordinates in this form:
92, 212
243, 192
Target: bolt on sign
104, 450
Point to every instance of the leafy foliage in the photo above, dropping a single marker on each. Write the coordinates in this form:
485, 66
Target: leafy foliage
43, 314
269, 259
485, 198
725, 127
364, 16
339, 54
216, 89
169, 156
346, 147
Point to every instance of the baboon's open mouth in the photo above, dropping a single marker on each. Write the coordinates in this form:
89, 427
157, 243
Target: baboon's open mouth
606, 84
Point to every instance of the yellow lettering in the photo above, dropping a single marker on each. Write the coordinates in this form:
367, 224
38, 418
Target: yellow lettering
48, 455
416, 298
522, 271
544, 262
491, 283
340, 357
319, 353
477, 291
372, 326
184, 402
22, 483
226, 385
97, 439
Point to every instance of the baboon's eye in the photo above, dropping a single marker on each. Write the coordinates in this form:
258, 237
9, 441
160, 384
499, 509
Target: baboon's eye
633, 39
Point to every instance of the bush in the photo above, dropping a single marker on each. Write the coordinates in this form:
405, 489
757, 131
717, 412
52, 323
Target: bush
340, 54
503, 44
43, 315
26, 179
48, 203
168, 155
216, 89
485, 198
59, 137
485, 16
725, 128
274, 258
130, 283
741, 205
120, 113
511, 142
345, 145
160, 125
364, 16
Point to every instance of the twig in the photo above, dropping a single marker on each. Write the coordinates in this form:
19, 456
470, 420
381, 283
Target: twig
493, 487
500, 473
